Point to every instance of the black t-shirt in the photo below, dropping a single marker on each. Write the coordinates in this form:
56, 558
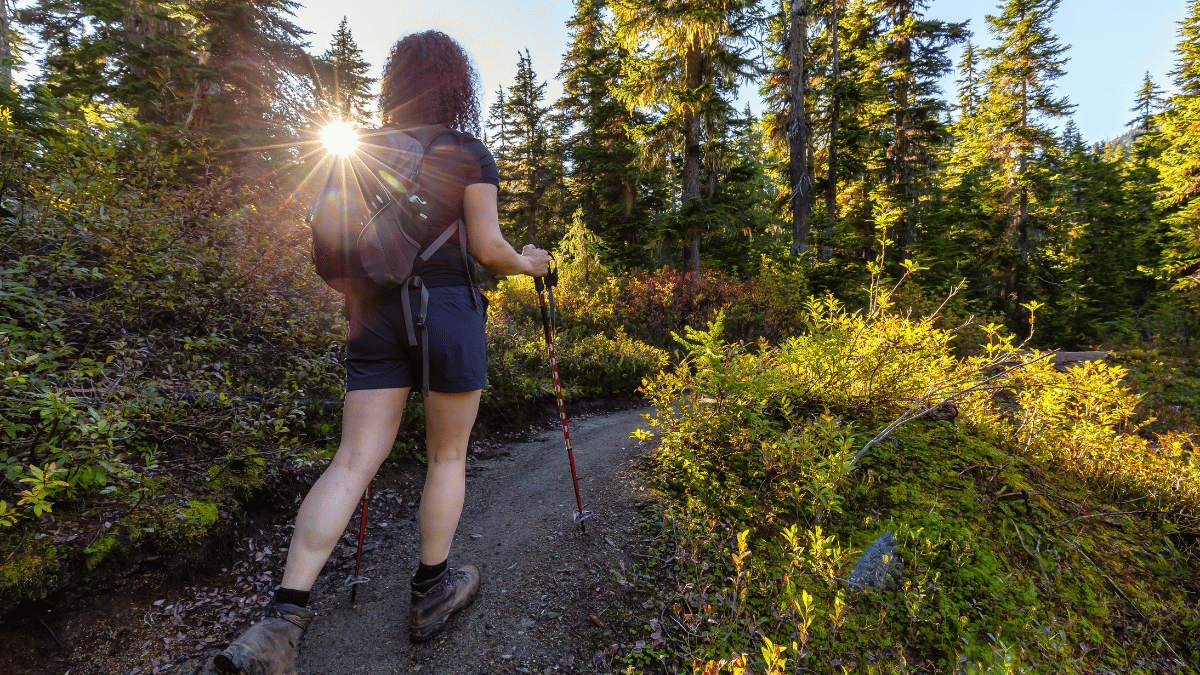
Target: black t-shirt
452, 161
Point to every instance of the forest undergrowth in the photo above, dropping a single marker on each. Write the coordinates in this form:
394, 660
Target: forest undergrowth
1045, 522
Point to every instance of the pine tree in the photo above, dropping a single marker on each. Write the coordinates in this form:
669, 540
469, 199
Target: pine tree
1149, 102
140, 53
255, 63
1177, 137
968, 82
344, 78
604, 177
835, 110
913, 59
789, 126
6, 50
852, 111
1019, 106
527, 163
685, 61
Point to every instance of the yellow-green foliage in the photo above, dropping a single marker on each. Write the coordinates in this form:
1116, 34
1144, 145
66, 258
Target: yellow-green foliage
591, 363
1038, 533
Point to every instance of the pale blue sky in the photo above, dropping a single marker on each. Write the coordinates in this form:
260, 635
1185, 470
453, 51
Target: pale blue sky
1113, 42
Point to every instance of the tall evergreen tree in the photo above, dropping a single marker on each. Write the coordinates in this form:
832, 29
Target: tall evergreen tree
140, 53
1148, 103
835, 109
1020, 105
6, 48
913, 61
787, 120
605, 178
254, 68
686, 59
968, 82
344, 78
1178, 162
528, 168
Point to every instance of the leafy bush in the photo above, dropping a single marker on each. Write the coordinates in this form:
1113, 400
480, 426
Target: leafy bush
784, 467
589, 366
160, 334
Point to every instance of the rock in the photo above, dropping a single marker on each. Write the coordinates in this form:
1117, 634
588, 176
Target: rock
872, 570
944, 412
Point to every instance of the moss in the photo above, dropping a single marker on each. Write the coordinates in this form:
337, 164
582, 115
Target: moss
28, 573
201, 515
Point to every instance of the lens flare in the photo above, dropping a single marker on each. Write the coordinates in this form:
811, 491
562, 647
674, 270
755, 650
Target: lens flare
340, 138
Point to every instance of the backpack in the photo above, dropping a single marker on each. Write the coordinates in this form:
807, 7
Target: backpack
371, 217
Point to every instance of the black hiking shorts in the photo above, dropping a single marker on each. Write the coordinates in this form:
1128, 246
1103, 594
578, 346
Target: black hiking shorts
378, 355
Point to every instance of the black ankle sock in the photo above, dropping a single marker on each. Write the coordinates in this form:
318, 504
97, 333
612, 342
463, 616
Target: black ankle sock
292, 597
427, 573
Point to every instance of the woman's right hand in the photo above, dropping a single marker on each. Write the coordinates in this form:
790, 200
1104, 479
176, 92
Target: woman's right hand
539, 260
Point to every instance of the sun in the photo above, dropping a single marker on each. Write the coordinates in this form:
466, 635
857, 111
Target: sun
340, 138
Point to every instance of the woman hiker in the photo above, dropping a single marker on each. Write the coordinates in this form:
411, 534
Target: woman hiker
429, 87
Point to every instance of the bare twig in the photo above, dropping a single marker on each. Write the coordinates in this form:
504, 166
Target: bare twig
1037, 559
1126, 513
16, 548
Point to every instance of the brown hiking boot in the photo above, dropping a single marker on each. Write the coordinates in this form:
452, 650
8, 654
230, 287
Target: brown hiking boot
452, 590
270, 646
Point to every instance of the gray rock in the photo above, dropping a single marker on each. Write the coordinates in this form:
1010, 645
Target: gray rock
871, 570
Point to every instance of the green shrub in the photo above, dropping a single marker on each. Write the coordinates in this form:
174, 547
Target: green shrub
762, 449
161, 333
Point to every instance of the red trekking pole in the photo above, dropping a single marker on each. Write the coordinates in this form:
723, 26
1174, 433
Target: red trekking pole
546, 285
355, 580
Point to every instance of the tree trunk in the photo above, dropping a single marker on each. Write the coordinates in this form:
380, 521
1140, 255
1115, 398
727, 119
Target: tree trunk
835, 113
6, 55
799, 154
693, 79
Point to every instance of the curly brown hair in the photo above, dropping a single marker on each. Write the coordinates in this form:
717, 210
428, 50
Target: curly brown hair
429, 79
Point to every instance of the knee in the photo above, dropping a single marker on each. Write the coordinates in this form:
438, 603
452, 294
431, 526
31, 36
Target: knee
447, 458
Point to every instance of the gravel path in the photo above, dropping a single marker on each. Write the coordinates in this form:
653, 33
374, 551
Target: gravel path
546, 586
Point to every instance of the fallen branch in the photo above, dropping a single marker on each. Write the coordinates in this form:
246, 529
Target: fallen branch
921, 408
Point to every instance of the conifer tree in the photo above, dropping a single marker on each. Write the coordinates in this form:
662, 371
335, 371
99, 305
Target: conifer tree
1149, 102
1020, 105
140, 53
787, 120
835, 110
605, 180
912, 60
968, 82
853, 113
685, 61
344, 78
527, 164
6, 48
254, 65
1178, 140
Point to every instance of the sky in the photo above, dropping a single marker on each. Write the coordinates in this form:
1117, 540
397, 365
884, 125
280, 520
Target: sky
1113, 43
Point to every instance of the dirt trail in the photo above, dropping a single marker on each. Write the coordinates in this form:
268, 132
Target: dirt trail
541, 577
547, 602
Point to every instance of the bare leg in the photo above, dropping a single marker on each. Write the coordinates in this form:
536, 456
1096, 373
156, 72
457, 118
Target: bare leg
370, 420
448, 422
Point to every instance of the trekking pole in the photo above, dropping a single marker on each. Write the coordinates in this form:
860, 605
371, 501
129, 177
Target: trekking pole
544, 285
355, 580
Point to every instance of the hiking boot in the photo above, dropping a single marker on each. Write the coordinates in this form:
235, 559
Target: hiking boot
452, 590
270, 646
